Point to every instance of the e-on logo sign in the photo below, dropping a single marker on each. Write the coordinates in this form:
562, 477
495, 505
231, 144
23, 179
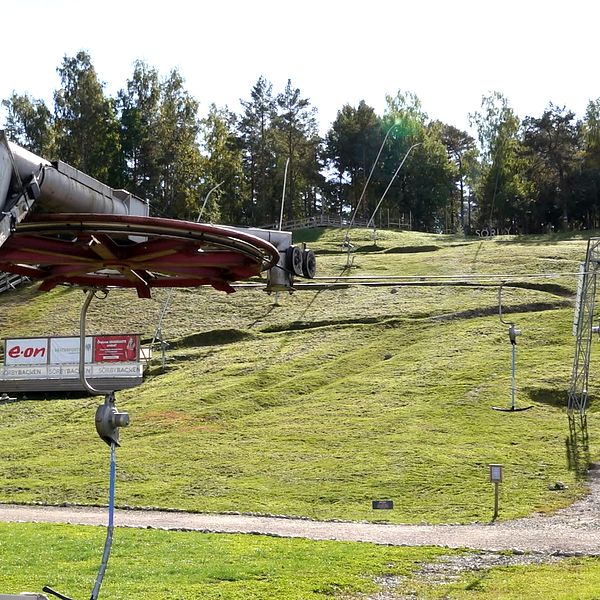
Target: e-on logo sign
28, 352
23, 352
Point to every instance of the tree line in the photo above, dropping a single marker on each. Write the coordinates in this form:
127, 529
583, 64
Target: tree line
523, 175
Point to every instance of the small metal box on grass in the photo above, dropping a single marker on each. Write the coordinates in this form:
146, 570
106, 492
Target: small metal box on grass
495, 473
383, 504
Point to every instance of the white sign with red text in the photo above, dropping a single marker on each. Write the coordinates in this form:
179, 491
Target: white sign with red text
30, 351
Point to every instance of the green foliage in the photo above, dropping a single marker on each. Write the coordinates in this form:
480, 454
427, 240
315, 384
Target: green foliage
29, 123
297, 137
351, 147
534, 175
87, 130
405, 108
139, 106
178, 155
551, 143
426, 181
256, 133
501, 188
462, 150
223, 166
159, 132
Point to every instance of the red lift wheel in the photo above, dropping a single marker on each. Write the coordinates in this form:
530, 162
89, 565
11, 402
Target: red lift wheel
97, 250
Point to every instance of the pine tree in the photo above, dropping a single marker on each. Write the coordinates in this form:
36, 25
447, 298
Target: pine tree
299, 141
179, 194
351, 148
86, 124
223, 166
139, 105
259, 152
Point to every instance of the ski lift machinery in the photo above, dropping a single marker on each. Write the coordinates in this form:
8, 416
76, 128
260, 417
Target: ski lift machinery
99, 238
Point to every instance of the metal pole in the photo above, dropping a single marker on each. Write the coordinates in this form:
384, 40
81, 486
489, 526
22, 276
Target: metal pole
161, 316
110, 528
496, 500
287, 162
82, 318
206, 200
514, 379
392, 181
371, 174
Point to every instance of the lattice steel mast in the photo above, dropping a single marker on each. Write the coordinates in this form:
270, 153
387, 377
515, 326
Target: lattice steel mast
583, 328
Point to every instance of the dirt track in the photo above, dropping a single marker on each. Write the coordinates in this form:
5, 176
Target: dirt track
575, 530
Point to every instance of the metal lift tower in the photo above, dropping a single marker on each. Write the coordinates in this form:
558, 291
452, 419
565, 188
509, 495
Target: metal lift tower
583, 329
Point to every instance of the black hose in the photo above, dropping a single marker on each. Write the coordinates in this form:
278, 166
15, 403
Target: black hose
57, 594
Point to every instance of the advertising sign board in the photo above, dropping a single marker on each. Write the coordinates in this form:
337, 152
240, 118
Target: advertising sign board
30, 351
65, 350
116, 348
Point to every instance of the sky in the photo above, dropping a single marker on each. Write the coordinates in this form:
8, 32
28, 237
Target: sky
337, 52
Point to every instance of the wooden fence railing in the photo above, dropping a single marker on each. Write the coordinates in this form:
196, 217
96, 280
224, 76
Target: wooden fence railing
328, 221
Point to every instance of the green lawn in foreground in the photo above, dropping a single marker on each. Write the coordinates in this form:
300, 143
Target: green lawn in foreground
569, 579
165, 565
160, 565
332, 399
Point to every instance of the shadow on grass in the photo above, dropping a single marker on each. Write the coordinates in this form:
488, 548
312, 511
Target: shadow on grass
328, 251
216, 337
493, 310
15, 397
551, 288
303, 325
548, 396
308, 235
369, 248
577, 442
411, 249
577, 445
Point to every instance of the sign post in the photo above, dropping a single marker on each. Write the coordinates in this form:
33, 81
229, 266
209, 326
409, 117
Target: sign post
496, 478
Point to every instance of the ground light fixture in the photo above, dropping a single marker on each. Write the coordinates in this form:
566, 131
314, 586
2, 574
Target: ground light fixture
496, 476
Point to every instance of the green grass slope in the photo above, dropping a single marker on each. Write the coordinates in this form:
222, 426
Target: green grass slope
318, 403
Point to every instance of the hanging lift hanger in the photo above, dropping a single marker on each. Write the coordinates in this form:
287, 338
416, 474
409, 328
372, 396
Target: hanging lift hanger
513, 332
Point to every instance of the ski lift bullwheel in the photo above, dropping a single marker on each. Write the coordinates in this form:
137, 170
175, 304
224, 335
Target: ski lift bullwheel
106, 251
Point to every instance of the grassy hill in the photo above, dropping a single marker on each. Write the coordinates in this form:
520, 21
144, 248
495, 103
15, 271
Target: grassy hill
326, 399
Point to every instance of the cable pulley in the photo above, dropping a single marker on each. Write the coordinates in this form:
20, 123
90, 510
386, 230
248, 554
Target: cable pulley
294, 260
309, 263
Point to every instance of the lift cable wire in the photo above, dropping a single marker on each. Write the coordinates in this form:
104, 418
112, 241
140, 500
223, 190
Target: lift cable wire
500, 306
460, 276
335, 281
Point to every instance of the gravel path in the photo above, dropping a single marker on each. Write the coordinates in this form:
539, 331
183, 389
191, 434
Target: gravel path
574, 530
